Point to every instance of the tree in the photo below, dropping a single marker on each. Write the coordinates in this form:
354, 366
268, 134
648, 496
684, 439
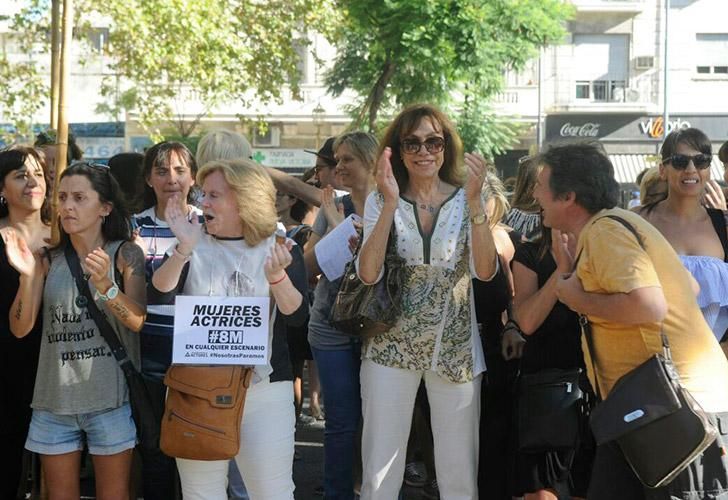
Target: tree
452, 53
214, 52
24, 92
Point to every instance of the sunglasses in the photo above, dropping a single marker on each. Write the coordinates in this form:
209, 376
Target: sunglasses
681, 162
433, 145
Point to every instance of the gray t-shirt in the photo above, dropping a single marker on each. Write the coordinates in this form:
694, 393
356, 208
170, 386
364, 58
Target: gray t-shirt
76, 371
321, 334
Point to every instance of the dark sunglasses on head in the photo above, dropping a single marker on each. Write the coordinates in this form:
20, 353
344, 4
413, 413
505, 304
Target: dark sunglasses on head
681, 162
433, 145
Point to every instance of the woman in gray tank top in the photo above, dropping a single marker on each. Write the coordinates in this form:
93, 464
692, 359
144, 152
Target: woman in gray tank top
81, 395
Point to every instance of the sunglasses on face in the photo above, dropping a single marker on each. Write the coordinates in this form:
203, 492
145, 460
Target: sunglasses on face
681, 162
433, 145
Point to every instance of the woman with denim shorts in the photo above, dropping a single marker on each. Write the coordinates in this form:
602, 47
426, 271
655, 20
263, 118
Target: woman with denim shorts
81, 398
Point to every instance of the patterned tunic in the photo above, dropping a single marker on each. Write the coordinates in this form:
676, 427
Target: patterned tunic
437, 330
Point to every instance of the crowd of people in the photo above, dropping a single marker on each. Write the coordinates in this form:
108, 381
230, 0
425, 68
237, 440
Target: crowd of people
440, 386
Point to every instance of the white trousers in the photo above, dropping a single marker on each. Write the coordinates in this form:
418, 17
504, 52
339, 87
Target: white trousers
265, 459
388, 396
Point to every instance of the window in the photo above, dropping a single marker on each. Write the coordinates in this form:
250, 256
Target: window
711, 53
582, 90
601, 67
601, 90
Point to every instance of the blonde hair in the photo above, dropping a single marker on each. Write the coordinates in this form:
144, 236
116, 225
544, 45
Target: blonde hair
222, 145
494, 189
652, 187
255, 193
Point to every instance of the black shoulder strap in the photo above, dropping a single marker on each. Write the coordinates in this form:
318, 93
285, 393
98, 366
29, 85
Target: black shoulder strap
107, 332
719, 219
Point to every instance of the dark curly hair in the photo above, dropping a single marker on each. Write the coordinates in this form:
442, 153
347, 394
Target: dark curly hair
585, 170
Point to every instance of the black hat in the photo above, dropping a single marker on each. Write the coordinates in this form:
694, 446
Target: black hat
326, 152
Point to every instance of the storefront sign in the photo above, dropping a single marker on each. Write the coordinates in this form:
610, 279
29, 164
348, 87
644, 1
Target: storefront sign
284, 158
629, 127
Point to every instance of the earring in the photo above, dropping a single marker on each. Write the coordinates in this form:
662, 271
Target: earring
3, 201
103, 220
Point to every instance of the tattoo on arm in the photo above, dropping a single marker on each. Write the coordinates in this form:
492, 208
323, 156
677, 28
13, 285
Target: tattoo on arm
19, 310
134, 258
120, 309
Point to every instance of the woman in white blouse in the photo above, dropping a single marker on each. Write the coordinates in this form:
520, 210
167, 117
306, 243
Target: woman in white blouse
432, 196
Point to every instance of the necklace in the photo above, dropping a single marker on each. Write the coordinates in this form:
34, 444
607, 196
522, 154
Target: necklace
429, 206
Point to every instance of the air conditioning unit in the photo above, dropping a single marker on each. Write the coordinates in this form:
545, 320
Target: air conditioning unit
271, 138
644, 62
633, 95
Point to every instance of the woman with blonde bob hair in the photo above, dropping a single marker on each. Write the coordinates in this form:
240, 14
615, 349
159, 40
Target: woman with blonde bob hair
236, 254
429, 200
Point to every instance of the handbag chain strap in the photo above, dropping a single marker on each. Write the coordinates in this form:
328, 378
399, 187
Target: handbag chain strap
106, 330
586, 326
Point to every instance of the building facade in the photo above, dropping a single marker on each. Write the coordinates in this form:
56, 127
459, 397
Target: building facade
606, 81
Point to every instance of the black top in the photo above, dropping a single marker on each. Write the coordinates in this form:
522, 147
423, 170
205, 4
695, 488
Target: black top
10, 279
557, 342
718, 218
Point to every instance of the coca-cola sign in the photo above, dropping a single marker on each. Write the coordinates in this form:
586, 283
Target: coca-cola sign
588, 129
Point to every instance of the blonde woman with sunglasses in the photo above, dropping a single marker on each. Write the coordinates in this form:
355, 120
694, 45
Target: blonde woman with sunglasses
698, 234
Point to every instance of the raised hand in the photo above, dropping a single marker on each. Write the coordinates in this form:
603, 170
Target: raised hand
713, 196
277, 261
18, 252
186, 231
333, 212
386, 182
97, 264
563, 245
476, 166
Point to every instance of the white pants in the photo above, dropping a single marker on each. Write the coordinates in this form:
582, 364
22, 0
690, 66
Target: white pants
265, 459
388, 396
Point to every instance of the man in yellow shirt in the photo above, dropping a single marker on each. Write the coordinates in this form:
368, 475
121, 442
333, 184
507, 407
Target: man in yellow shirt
629, 294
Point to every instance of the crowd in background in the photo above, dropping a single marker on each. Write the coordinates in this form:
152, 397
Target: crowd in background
439, 388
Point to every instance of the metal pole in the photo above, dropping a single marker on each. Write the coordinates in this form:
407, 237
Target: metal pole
62, 136
665, 111
539, 139
55, 61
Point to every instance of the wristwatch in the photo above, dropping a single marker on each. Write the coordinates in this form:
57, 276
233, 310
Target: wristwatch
110, 294
479, 219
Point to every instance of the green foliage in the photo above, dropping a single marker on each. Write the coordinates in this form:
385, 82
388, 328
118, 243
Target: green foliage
452, 53
24, 92
214, 52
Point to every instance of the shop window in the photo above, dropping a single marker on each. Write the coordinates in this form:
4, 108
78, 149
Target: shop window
722, 70
703, 70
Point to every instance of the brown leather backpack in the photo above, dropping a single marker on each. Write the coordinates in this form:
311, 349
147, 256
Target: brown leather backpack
203, 411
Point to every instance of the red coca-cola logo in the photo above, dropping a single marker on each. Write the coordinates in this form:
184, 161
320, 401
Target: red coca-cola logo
589, 129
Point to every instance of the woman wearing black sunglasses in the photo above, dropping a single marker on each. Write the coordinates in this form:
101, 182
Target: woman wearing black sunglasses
81, 397
430, 194
698, 234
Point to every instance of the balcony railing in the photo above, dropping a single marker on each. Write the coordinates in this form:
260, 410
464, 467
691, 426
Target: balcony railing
609, 6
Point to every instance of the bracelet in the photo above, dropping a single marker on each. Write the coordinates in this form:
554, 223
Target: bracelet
279, 280
180, 255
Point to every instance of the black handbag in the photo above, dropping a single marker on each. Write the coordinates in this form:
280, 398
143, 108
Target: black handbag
654, 420
144, 393
362, 310
550, 410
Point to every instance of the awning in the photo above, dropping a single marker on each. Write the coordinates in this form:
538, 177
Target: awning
626, 167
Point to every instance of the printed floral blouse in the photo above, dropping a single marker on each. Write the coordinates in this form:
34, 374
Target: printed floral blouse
437, 330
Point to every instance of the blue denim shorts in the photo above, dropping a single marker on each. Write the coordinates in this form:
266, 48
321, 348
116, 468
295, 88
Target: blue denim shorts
106, 432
